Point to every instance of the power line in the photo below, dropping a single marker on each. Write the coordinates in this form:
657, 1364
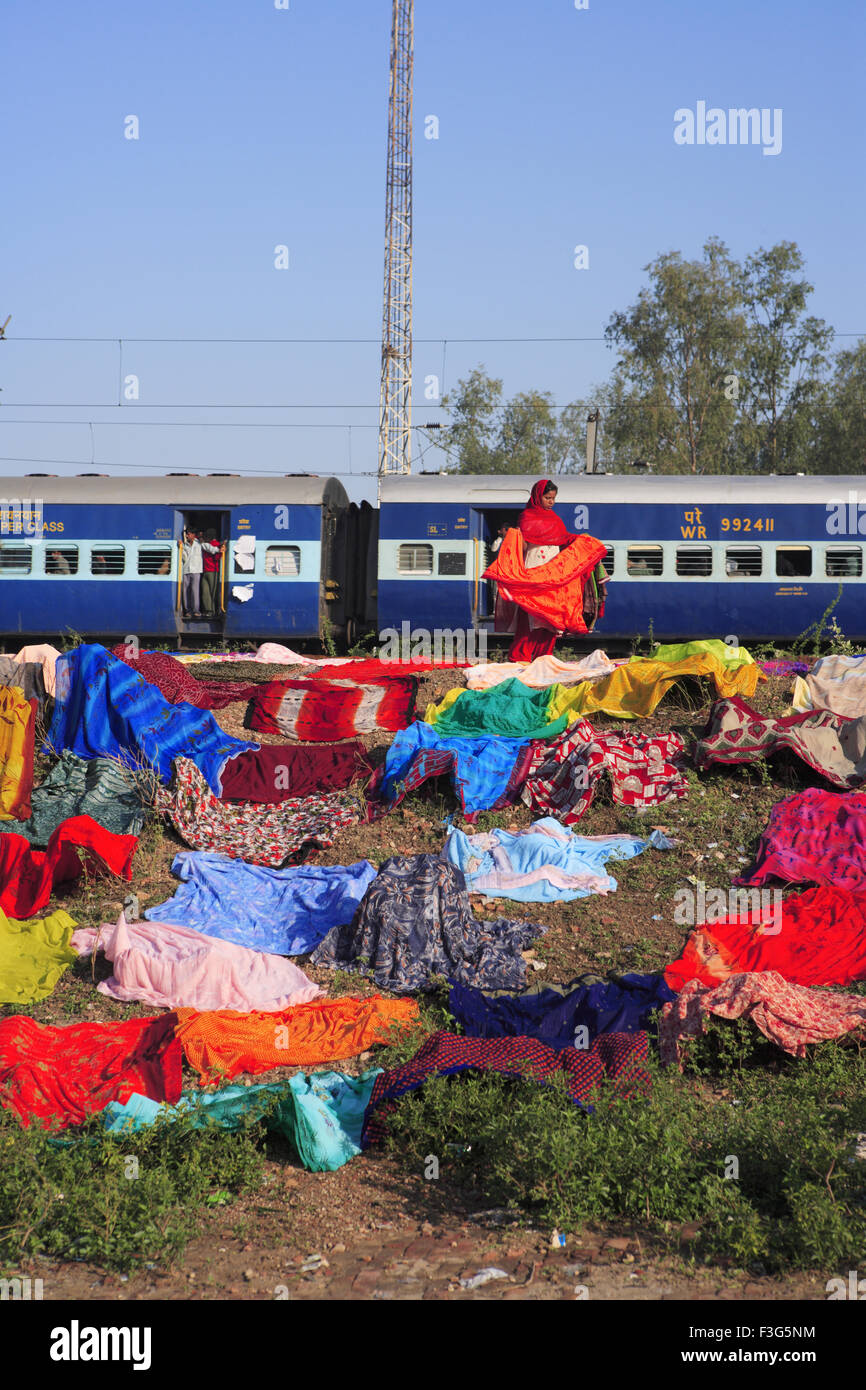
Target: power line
330, 342
197, 424
193, 469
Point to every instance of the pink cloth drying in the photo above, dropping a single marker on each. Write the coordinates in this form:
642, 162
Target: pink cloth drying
169, 966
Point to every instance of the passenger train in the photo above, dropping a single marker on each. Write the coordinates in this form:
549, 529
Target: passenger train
688, 557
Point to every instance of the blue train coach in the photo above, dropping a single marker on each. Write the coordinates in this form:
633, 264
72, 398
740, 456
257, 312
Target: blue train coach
102, 555
688, 557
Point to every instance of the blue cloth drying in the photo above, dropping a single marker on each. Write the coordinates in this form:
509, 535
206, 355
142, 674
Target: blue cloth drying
285, 911
480, 768
553, 1018
104, 709
498, 862
321, 1114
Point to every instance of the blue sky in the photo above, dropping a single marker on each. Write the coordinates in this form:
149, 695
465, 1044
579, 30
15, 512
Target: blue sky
261, 127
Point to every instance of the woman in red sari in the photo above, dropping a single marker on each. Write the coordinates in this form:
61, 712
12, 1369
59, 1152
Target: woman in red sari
544, 534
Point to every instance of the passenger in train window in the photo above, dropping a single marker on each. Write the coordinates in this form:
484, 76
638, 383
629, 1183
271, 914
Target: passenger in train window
638, 566
100, 564
56, 563
212, 550
500, 537
191, 572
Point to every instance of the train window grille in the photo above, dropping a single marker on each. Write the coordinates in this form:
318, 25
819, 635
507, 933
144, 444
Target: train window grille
608, 560
793, 560
15, 559
154, 561
643, 560
743, 560
415, 559
283, 561
844, 562
62, 560
694, 560
107, 562
452, 562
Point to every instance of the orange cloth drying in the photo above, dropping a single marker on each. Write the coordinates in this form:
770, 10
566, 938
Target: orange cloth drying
553, 591
223, 1043
17, 729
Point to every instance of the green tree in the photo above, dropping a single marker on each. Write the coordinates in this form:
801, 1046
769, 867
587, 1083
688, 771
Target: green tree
784, 361
839, 421
523, 434
678, 345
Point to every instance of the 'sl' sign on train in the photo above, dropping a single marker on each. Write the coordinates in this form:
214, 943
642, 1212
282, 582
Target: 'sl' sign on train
688, 556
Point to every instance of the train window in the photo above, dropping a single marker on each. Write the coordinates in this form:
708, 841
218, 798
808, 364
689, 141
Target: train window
283, 560
742, 560
452, 562
694, 559
63, 559
794, 560
154, 560
607, 560
15, 559
107, 560
843, 562
644, 559
415, 559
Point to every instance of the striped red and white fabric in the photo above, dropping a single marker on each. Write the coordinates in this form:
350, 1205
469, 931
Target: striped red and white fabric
319, 711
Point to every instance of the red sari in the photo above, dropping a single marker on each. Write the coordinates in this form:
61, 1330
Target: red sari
540, 527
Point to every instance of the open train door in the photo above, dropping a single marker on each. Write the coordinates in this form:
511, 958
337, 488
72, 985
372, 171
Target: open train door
214, 527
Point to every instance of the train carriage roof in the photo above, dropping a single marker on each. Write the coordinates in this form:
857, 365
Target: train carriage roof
181, 492
505, 490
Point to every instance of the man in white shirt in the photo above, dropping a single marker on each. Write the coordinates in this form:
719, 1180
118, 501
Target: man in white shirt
191, 571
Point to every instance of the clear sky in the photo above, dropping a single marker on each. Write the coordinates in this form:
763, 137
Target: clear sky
260, 127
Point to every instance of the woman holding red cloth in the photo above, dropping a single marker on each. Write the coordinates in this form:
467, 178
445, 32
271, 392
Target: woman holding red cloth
544, 535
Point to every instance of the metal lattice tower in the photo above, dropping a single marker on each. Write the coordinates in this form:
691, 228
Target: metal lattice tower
395, 396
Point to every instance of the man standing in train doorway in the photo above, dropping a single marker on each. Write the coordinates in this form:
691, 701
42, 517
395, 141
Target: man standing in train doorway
211, 555
191, 571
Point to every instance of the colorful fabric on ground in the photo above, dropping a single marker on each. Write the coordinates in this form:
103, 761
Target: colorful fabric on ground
178, 685
108, 794
286, 911
320, 1113
225, 1044
784, 668
792, 1016
545, 864
634, 690
625, 1006
814, 837
731, 656
26, 676
279, 772
818, 938
372, 669
620, 1057
323, 711
17, 726
562, 777
509, 710
543, 672
28, 875
248, 830
833, 746
33, 956
480, 768
837, 683
105, 709
553, 591
62, 1075
47, 656
416, 923
167, 965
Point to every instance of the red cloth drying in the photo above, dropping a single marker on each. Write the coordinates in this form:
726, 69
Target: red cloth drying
280, 771
27, 875
820, 940
179, 686
62, 1075
553, 591
540, 525
376, 670
815, 837
321, 711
